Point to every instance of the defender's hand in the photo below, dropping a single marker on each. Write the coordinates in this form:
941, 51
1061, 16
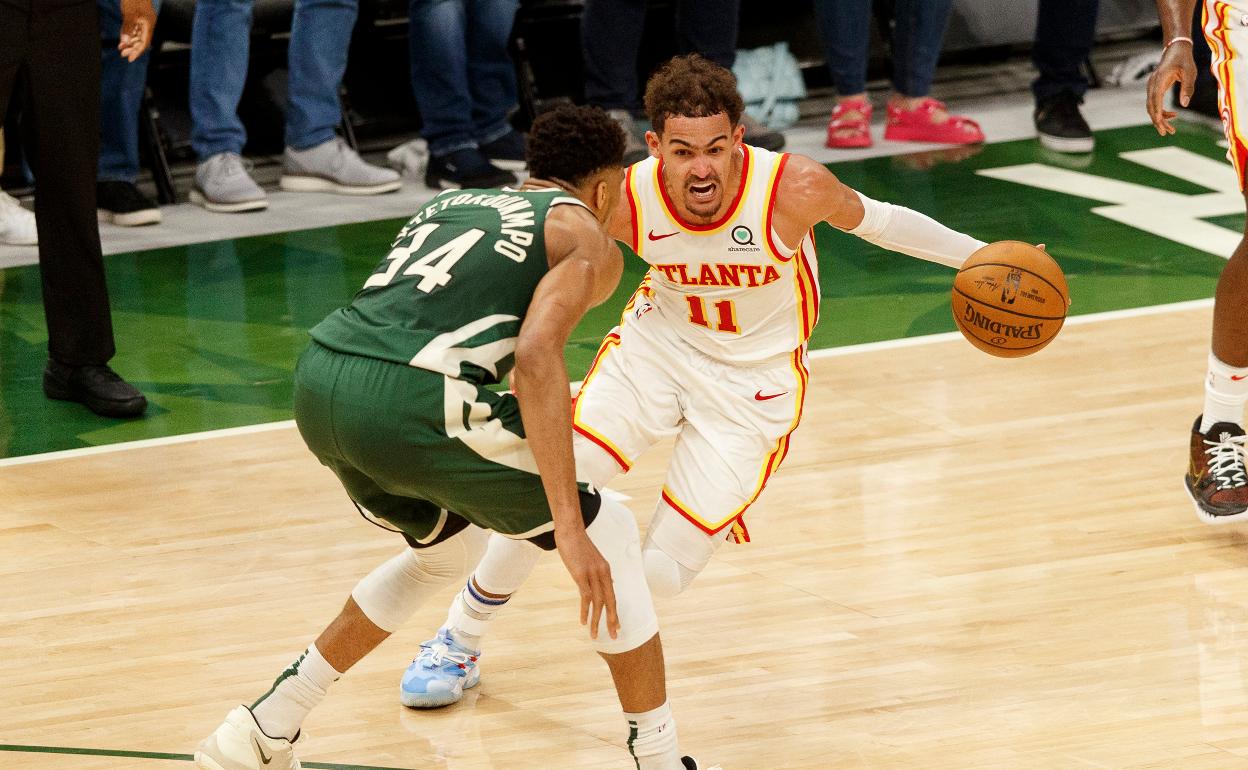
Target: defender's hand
593, 578
1176, 66
138, 21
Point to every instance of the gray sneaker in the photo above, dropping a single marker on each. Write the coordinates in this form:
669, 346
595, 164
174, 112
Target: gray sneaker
223, 184
334, 167
635, 148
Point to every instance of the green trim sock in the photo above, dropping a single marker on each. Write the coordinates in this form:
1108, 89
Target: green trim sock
281, 711
652, 739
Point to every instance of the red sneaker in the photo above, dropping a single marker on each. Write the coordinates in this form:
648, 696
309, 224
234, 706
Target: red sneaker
846, 132
917, 125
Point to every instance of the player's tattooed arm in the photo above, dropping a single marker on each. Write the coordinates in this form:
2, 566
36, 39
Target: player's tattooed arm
585, 269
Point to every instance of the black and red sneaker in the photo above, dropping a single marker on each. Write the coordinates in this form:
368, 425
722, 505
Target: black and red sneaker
1216, 477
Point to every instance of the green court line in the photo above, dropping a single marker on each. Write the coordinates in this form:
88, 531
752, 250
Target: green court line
161, 755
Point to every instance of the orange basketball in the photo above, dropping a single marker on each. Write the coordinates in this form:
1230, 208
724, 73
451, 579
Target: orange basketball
1010, 299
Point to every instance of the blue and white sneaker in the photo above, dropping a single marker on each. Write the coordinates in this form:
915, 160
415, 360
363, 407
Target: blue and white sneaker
440, 673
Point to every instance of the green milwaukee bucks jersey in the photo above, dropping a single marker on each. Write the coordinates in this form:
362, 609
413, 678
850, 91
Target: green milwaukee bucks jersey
452, 293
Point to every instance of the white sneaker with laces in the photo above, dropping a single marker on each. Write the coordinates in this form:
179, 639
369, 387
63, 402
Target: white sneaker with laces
17, 225
240, 744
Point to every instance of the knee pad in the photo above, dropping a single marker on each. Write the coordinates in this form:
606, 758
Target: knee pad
666, 576
393, 591
614, 534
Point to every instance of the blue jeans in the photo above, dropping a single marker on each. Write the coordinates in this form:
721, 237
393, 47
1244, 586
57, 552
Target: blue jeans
121, 95
918, 33
220, 45
462, 75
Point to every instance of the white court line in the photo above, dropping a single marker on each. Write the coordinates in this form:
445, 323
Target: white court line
183, 438
1075, 320
844, 350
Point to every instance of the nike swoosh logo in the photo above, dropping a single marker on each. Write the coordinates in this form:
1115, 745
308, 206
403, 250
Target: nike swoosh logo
1234, 377
264, 758
654, 237
760, 397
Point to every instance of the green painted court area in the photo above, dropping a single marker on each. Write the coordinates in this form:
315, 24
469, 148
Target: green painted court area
210, 332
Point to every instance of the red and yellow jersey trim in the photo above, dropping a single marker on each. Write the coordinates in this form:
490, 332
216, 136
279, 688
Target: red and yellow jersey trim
773, 461
773, 185
611, 341
1217, 33
669, 208
634, 207
806, 287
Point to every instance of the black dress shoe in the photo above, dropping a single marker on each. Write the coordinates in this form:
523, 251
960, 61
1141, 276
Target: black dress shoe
99, 388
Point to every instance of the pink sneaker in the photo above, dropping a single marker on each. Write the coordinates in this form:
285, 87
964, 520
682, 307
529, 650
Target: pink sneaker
846, 132
916, 125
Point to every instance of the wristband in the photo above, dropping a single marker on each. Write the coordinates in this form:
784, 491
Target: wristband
1166, 47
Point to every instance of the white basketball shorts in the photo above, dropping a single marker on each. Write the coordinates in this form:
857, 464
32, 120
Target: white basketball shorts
732, 425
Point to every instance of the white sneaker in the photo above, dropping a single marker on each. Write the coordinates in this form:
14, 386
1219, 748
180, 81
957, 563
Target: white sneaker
410, 159
240, 744
334, 167
17, 225
222, 184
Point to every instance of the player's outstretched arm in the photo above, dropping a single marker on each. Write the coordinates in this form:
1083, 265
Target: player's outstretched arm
809, 193
1176, 65
586, 267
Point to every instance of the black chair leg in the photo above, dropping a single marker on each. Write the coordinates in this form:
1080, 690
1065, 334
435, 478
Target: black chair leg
149, 128
348, 130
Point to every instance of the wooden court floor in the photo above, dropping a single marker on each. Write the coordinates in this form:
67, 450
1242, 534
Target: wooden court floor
965, 563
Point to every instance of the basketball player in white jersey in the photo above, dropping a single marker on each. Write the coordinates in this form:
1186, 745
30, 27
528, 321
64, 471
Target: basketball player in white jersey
711, 348
1217, 479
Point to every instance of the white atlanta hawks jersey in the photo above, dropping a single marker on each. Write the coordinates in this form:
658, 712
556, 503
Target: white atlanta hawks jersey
731, 288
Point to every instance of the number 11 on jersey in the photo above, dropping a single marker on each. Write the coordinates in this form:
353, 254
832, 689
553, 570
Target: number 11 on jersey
725, 311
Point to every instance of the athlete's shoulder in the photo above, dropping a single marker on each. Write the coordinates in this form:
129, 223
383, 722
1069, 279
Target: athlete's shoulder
805, 186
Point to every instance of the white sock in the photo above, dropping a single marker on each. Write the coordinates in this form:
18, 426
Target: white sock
301, 686
652, 739
1226, 393
470, 615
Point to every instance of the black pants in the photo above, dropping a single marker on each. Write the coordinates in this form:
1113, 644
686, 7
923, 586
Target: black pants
55, 46
611, 37
1065, 30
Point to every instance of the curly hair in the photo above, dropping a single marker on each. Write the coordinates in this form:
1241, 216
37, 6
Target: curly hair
572, 143
692, 87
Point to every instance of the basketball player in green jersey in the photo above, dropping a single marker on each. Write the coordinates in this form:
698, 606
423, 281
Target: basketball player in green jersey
1217, 479
392, 396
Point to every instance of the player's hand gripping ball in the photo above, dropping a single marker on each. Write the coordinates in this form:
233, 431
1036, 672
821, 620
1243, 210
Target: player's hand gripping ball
1010, 299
